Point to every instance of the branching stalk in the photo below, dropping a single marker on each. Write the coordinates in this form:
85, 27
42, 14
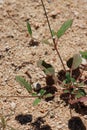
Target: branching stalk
55, 44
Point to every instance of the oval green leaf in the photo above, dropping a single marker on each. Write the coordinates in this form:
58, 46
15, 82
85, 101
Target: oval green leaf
29, 28
64, 28
66, 91
47, 68
77, 60
80, 93
84, 54
48, 95
42, 92
36, 101
24, 83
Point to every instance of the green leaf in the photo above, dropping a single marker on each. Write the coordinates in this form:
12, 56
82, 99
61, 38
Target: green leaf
77, 60
64, 27
84, 54
47, 68
36, 101
68, 78
53, 33
29, 28
66, 91
81, 84
24, 83
73, 91
48, 95
80, 93
34, 94
68, 75
73, 80
74, 61
42, 92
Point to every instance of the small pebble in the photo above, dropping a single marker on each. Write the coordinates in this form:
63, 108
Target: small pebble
13, 105
76, 13
19, 91
54, 13
36, 26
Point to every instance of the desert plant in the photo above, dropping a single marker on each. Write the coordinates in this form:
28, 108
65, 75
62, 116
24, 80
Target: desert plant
39, 95
71, 85
4, 125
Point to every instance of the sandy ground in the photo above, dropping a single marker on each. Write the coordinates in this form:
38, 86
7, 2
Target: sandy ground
18, 56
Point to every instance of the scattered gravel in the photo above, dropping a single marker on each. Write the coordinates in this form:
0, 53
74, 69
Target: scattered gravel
19, 56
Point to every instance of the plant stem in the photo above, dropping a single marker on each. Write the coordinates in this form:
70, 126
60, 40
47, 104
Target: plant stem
18, 96
71, 72
55, 44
